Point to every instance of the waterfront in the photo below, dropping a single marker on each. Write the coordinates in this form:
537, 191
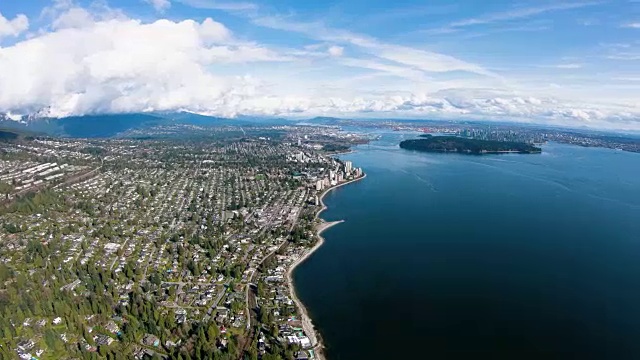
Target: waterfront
511, 256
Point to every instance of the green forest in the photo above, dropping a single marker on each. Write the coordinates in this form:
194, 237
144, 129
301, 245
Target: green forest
455, 144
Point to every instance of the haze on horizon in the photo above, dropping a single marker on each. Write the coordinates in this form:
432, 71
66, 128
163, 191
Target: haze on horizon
569, 63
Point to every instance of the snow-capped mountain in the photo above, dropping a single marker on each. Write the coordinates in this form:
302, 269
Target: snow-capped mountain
13, 117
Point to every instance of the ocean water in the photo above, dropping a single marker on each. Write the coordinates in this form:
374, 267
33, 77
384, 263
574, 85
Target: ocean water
445, 256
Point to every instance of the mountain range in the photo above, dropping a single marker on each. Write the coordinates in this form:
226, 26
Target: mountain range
101, 126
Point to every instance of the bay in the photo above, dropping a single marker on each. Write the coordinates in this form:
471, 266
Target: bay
446, 256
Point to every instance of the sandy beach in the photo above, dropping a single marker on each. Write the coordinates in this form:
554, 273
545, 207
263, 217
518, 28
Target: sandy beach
307, 324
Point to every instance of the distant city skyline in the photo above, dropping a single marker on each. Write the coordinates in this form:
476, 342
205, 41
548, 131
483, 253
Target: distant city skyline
569, 63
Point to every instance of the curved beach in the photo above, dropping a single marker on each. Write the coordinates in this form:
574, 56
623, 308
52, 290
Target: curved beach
307, 324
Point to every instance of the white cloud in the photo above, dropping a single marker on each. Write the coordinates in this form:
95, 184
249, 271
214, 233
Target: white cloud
633, 25
624, 56
159, 5
400, 71
566, 66
213, 32
569, 66
68, 14
125, 66
106, 62
507, 16
220, 5
506, 29
73, 18
415, 58
453, 103
521, 13
336, 51
13, 27
242, 54
627, 78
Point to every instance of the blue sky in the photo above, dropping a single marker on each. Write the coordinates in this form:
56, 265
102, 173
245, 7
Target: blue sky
573, 63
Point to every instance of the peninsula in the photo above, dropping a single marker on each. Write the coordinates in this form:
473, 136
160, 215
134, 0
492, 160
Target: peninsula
429, 143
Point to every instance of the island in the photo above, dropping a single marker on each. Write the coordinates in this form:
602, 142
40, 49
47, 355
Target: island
429, 143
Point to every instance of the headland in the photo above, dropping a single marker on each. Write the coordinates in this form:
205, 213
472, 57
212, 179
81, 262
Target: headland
443, 144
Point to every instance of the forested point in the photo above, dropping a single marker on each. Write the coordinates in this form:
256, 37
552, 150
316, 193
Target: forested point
455, 144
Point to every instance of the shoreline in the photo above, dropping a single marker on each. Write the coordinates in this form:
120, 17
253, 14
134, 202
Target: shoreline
307, 324
321, 198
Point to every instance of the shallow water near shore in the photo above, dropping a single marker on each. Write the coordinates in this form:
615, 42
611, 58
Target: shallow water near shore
445, 256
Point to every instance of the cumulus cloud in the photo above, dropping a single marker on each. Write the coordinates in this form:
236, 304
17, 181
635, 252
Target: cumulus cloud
73, 18
125, 66
14, 27
212, 31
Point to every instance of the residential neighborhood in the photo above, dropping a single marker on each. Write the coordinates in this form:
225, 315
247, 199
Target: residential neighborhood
162, 248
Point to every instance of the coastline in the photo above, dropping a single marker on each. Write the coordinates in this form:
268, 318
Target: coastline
307, 324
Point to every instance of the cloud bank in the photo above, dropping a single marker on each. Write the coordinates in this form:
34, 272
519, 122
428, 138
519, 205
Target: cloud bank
88, 63
124, 65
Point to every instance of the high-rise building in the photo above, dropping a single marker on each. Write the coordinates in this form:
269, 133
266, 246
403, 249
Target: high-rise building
319, 185
348, 166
